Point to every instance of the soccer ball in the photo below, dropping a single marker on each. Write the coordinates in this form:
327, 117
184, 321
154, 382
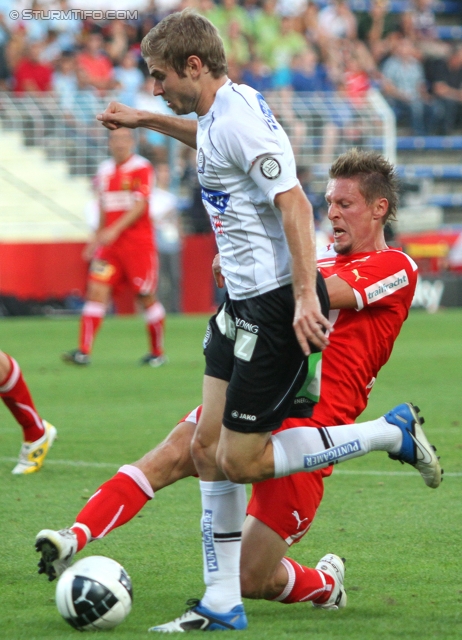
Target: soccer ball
94, 593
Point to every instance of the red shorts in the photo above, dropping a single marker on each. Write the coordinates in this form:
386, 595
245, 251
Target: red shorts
286, 505
134, 263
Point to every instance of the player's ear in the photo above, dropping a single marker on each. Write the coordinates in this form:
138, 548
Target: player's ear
380, 208
194, 65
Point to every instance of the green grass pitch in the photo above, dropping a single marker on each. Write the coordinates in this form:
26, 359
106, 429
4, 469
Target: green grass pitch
401, 540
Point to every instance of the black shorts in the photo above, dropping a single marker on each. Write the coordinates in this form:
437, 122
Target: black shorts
252, 344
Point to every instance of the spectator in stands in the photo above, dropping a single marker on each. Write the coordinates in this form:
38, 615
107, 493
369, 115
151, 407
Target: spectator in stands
308, 74
16, 47
337, 21
278, 53
65, 81
236, 43
375, 27
293, 8
229, 11
265, 22
356, 80
129, 78
258, 75
68, 29
51, 48
96, 65
309, 23
404, 87
447, 88
31, 74
118, 43
164, 212
37, 28
4, 68
419, 21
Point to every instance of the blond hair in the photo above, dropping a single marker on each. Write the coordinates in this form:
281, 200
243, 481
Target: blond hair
375, 175
184, 34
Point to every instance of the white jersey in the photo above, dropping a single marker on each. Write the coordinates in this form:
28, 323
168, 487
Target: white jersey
238, 130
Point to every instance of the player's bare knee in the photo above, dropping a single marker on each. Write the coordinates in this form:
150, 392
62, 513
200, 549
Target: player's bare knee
234, 469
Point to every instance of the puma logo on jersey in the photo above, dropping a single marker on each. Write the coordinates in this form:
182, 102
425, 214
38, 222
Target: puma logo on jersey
297, 518
358, 277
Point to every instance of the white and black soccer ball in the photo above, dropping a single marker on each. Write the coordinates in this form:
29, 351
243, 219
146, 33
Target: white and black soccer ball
94, 593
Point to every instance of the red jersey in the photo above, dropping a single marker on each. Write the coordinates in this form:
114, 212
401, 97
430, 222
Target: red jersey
384, 283
362, 340
32, 76
119, 187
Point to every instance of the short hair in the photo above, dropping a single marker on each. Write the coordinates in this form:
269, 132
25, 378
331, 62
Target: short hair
183, 34
375, 175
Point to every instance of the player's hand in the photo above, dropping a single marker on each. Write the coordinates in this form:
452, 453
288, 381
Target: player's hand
216, 270
108, 235
309, 323
89, 250
118, 115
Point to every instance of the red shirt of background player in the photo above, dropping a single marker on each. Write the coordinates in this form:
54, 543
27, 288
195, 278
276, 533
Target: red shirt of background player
119, 186
30, 75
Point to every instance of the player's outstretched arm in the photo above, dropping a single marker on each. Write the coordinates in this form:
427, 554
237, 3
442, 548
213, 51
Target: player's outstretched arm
297, 217
119, 115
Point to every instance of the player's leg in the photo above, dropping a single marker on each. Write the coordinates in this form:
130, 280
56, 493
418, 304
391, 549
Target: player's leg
280, 513
223, 502
154, 315
38, 434
99, 289
141, 267
267, 573
119, 500
255, 457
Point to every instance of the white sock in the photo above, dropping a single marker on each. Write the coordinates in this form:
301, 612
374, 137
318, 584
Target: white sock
310, 448
223, 513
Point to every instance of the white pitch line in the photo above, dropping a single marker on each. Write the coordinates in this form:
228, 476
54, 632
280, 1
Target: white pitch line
73, 463
350, 472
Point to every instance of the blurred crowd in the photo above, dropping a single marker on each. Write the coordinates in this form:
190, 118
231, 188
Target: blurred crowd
272, 45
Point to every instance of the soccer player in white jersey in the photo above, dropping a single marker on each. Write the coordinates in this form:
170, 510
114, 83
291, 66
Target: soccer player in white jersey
368, 319
272, 316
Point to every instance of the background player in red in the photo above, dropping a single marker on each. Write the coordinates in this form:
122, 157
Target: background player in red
371, 288
38, 434
123, 248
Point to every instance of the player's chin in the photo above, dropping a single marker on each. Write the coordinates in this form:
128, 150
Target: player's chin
342, 247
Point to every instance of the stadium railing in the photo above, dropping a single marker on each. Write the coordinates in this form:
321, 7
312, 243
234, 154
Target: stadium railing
319, 125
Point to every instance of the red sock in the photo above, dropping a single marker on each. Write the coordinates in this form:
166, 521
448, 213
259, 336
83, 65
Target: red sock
155, 318
90, 321
305, 584
16, 396
116, 502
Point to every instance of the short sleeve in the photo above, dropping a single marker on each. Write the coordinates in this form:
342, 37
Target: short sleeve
242, 142
142, 183
381, 279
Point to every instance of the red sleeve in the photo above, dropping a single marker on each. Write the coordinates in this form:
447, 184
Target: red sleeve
380, 278
142, 182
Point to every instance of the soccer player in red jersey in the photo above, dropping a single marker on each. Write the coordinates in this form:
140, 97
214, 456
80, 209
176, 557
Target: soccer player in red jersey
123, 248
371, 289
38, 434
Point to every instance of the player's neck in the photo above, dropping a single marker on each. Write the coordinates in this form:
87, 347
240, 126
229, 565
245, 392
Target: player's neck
209, 93
119, 162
